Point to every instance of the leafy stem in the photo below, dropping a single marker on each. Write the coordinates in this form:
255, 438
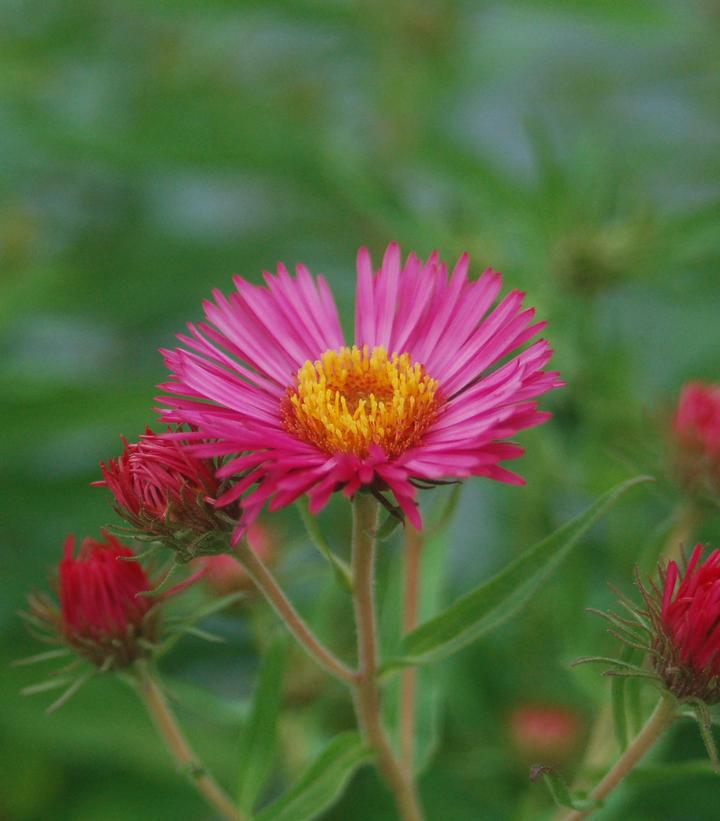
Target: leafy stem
408, 686
265, 582
664, 714
367, 691
167, 725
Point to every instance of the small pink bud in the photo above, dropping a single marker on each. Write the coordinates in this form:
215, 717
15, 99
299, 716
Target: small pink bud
544, 732
696, 437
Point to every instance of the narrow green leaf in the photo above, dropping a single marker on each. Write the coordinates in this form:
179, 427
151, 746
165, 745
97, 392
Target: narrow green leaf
164, 583
664, 774
322, 783
259, 739
619, 687
341, 569
213, 607
388, 527
40, 657
559, 789
499, 598
44, 686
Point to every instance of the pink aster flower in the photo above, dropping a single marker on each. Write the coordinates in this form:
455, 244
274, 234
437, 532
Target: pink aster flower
434, 382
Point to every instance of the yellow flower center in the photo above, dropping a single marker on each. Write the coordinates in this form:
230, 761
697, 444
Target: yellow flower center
351, 398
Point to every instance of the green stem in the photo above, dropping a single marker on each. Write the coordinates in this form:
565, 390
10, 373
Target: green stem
166, 723
661, 718
408, 685
266, 584
687, 520
367, 701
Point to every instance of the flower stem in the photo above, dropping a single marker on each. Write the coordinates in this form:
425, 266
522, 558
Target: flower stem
179, 748
367, 701
687, 520
661, 718
265, 582
408, 686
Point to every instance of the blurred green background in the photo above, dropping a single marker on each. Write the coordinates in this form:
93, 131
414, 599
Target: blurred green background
150, 150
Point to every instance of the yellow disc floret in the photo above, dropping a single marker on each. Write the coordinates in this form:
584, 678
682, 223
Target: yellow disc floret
352, 398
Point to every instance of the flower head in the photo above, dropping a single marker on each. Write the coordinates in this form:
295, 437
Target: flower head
103, 614
696, 436
166, 493
428, 391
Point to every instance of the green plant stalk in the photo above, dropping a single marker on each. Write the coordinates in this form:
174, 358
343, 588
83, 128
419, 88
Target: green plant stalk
266, 584
167, 725
367, 692
662, 717
687, 519
408, 685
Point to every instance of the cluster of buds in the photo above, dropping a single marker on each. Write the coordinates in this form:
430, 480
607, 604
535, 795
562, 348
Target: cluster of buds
166, 494
695, 438
106, 613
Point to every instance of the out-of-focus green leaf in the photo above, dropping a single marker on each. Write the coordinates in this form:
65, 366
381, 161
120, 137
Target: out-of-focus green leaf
499, 598
341, 569
323, 782
559, 789
620, 698
259, 739
672, 772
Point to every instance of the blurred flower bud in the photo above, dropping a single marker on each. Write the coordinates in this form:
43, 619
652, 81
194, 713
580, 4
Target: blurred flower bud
544, 732
167, 495
696, 438
225, 575
102, 615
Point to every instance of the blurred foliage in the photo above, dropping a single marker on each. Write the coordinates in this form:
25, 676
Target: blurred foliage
152, 150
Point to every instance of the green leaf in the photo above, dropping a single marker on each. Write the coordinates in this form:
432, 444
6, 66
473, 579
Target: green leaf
388, 527
559, 789
502, 596
322, 783
663, 774
619, 687
259, 739
341, 569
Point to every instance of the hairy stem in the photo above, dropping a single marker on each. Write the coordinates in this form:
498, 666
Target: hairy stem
661, 718
179, 748
266, 584
367, 701
408, 685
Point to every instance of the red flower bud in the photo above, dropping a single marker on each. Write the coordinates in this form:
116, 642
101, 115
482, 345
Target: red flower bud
687, 623
102, 614
696, 437
167, 494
